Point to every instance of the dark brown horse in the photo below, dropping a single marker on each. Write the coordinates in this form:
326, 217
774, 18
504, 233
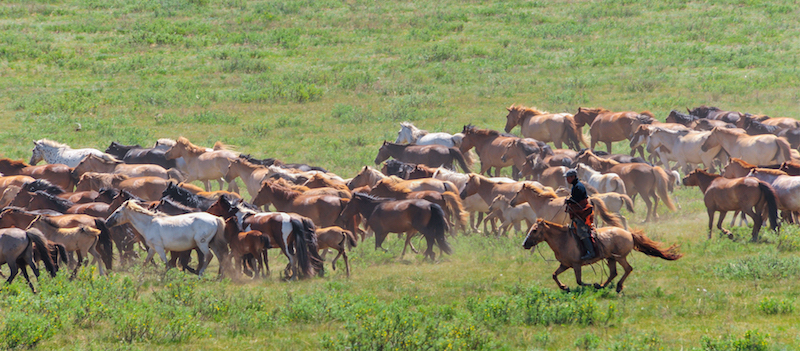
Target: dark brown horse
448, 201
613, 244
386, 216
748, 194
429, 155
251, 243
322, 209
57, 174
608, 127
715, 113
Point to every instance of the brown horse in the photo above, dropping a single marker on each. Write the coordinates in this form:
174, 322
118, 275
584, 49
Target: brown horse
490, 145
322, 209
367, 176
791, 168
748, 195
109, 164
336, 238
448, 201
17, 248
389, 216
253, 243
613, 243
520, 150
147, 188
202, 164
58, 174
607, 127
429, 155
557, 128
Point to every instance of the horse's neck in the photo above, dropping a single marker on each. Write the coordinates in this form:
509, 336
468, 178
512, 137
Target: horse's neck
140, 220
282, 196
366, 207
705, 181
376, 177
560, 242
395, 150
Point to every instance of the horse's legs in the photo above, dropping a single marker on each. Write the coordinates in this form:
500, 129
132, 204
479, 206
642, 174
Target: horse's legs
649, 205
12, 265
207, 185
346, 261
577, 271
409, 235
266, 263
206, 252
623, 261
612, 272
722, 215
608, 146
24, 272
558, 271
757, 222
710, 211
333, 263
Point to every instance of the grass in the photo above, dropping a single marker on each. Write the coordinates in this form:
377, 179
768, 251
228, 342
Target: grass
325, 82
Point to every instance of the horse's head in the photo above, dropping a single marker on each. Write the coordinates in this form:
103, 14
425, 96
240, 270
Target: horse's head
263, 196
586, 116
711, 142
406, 134
36, 154
383, 153
700, 111
512, 119
471, 187
535, 234
692, 179
639, 136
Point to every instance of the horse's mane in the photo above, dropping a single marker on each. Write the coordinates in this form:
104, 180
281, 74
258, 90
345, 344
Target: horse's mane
134, 206
44, 185
63, 203
53, 144
173, 203
189, 146
742, 163
771, 171
285, 192
551, 224
165, 142
597, 110
393, 187
186, 196
527, 110
415, 132
372, 198
485, 132
647, 113
286, 184
326, 182
7, 162
706, 173
112, 192
541, 192
220, 146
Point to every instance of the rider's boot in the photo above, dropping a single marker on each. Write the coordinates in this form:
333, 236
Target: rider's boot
587, 245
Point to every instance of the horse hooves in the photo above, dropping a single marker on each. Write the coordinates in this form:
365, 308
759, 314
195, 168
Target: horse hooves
598, 286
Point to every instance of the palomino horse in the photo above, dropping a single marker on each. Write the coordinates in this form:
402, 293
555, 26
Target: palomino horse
714, 113
53, 152
82, 239
607, 127
683, 147
175, 233
557, 128
748, 195
755, 149
336, 238
92, 163
59, 175
429, 155
604, 183
786, 187
322, 209
386, 216
252, 175
16, 250
201, 164
546, 204
614, 244
490, 145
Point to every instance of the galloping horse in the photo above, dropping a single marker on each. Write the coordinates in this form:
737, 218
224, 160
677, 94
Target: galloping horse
53, 152
16, 250
336, 238
59, 175
429, 155
614, 244
755, 149
608, 127
448, 201
201, 164
82, 239
389, 216
546, 204
367, 176
410, 134
252, 175
557, 128
748, 195
490, 145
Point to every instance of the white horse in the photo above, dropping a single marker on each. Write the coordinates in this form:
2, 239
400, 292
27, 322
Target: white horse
410, 134
604, 183
683, 147
174, 233
54, 152
786, 187
510, 215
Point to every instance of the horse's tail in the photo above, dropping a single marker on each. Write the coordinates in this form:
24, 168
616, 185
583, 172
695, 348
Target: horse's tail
60, 254
454, 206
628, 202
469, 157
608, 217
176, 174
438, 226
350, 238
305, 247
459, 157
104, 239
619, 185
772, 203
649, 247
36, 237
662, 187
574, 133
784, 148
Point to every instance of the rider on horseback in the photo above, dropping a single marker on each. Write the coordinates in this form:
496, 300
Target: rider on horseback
581, 213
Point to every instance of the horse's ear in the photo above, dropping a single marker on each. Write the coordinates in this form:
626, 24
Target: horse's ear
579, 109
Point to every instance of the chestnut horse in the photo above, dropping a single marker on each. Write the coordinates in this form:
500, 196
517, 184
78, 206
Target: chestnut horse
448, 201
607, 127
747, 194
557, 128
252, 243
613, 243
107, 164
322, 209
490, 145
58, 174
429, 155
336, 238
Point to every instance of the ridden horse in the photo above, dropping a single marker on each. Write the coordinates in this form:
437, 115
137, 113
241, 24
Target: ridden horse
59, 175
84, 240
747, 194
201, 164
607, 127
336, 238
548, 127
546, 204
448, 201
758, 149
613, 201
490, 145
323, 210
16, 250
92, 163
604, 183
429, 155
175, 233
135, 154
614, 244
385, 216
715, 113
786, 188
684, 147
53, 152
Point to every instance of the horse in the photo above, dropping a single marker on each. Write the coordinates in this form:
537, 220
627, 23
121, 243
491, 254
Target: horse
16, 250
557, 128
546, 204
604, 183
684, 147
747, 194
54, 152
367, 176
186, 197
201, 164
323, 210
607, 127
791, 168
410, 216
410, 134
429, 155
92, 163
135, 154
17, 180
501, 209
405, 170
336, 238
786, 188
250, 243
490, 145
687, 120
175, 233
448, 201
709, 124
59, 175
715, 113
82, 239
614, 244
520, 150
758, 149
252, 175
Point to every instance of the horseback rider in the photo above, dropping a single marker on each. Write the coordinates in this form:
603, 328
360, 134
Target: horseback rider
581, 213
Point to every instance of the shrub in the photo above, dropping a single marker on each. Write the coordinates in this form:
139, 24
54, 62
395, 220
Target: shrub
776, 306
751, 341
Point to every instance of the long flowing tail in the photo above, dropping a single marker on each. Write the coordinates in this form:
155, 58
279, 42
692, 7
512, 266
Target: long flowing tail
662, 185
628, 202
36, 237
649, 247
350, 237
104, 239
619, 186
305, 247
574, 133
438, 226
783, 148
608, 217
772, 203
456, 209
458, 156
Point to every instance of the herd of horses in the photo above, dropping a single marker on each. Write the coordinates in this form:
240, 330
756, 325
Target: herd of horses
90, 202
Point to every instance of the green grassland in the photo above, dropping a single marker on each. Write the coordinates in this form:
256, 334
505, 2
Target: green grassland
325, 82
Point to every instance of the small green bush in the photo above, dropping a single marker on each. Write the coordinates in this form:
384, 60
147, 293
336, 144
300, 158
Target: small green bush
751, 341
